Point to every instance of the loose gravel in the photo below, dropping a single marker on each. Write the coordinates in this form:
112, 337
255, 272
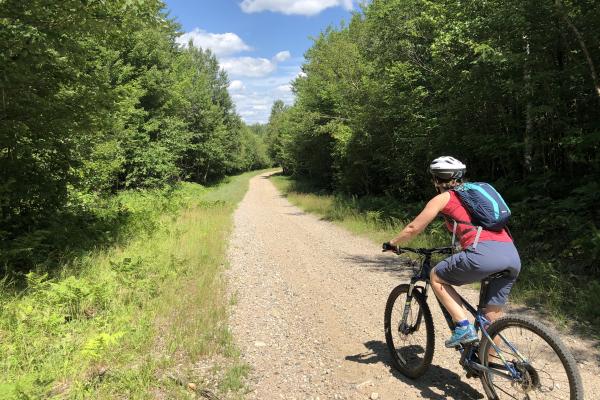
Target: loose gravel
308, 314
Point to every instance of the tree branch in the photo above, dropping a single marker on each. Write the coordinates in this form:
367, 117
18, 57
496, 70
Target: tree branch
579, 36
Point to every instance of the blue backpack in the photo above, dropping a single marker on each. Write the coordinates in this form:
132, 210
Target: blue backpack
484, 204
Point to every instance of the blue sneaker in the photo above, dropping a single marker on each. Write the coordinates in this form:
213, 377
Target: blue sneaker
462, 335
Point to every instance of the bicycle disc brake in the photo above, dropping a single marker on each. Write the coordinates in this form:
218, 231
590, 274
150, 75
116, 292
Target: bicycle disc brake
530, 379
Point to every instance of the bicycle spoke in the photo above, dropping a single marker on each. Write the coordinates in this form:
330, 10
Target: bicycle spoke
410, 348
542, 376
505, 392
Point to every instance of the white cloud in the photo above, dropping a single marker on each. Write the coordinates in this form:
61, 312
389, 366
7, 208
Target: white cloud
284, 88
247, 113
237, 86
248, 66
256, 102
254, 67
283, 56
291, 7
221, 44
256, 82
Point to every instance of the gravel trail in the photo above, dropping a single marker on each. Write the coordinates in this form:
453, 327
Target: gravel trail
308, 313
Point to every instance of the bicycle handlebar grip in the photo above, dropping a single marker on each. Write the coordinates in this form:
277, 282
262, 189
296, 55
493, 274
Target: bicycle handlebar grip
387, 246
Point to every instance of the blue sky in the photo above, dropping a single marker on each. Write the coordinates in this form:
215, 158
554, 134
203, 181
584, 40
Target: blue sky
260, 43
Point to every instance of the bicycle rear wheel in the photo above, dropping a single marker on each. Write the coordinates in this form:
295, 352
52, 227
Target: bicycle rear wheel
411, 345
547, 368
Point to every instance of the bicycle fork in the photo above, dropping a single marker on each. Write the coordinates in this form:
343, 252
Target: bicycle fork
403, 327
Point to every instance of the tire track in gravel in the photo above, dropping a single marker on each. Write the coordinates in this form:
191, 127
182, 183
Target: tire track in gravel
308, 317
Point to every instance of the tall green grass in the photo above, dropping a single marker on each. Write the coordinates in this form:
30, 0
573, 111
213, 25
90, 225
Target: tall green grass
544, 285
135, 319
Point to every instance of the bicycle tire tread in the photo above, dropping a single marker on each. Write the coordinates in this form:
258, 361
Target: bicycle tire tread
430, 338
550, 336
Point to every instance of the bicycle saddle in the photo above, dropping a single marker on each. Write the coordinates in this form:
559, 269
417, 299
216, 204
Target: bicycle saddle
501, 274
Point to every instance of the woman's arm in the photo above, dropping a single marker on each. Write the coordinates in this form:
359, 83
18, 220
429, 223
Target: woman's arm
418, 225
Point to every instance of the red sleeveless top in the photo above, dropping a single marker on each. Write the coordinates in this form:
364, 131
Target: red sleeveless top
465, 233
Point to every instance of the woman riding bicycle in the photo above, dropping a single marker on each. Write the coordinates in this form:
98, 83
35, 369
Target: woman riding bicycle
494, 252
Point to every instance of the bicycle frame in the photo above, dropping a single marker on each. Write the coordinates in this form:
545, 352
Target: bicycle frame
481, 323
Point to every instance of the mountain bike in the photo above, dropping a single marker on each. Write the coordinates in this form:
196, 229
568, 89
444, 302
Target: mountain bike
516, 357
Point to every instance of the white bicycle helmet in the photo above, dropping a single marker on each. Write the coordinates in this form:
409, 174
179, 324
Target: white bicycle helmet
447, 168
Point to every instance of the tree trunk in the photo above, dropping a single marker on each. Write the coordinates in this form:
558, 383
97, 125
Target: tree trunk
206, 173
584, 48
527, 139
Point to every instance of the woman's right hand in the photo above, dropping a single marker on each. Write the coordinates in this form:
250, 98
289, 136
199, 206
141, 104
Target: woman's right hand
387, 246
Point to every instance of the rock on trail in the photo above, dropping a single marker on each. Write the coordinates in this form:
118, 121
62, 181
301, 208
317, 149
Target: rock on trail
309, 311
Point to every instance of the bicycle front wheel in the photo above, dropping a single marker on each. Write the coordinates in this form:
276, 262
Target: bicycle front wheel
546, 369
410, 342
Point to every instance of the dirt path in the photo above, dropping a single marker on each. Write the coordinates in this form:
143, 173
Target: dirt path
309, 311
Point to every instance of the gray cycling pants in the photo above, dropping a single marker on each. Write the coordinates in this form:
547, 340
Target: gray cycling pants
473, 265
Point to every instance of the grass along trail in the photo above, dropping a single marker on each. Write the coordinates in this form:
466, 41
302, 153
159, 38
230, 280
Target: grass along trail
309, 309
145, 318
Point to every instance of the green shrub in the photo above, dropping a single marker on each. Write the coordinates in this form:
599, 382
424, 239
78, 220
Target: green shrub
107, 308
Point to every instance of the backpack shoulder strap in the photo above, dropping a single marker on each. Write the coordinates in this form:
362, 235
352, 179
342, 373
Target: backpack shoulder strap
509, 233
456, 222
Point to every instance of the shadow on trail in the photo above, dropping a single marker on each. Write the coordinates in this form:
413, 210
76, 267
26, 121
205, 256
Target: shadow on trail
401, 267
296, 214
270, 175
446, 383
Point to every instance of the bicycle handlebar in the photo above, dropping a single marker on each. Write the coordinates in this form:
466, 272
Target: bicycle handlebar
420, 251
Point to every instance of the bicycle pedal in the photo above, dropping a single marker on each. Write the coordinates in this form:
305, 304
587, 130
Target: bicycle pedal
466, 346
